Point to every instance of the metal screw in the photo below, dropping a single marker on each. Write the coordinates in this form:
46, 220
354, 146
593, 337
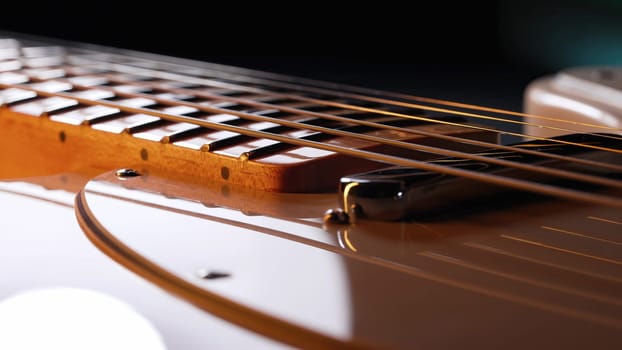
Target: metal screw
336, 216
123, 174
211, 275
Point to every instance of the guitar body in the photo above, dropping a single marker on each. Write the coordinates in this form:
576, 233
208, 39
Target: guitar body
483, 278
43, 248
217, 251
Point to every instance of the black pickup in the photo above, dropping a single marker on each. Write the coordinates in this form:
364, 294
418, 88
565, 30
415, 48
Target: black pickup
399, 193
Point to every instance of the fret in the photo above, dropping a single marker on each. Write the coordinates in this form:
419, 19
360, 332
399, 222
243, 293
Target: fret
207, 141
296, 155
171, 84
40, 107
174, 96
86, 115
11, 65
6, 43
317, 108
6, 54
270, 148
136, 102
94, 94
241, 149
128, 78
87, 81
224, 118
11, 78
167, 130
251, 95
14, 95
169, 133
84, 70
52, 86
210, 140
38, 62
42, 51
45, 73
181, 110
225, 105
127, 88
239, 145
127, 124
262, 125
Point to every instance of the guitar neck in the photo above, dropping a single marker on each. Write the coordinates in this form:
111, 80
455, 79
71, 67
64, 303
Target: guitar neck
99, 110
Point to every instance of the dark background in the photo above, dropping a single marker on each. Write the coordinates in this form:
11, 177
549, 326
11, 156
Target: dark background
482, 53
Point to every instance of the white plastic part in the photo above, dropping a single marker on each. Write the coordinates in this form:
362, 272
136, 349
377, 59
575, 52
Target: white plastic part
586, 99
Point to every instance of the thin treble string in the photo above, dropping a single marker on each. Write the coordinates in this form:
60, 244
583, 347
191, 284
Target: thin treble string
343, 119
396, 95
339, 119
498, 161
535, 187
213, 83
210, 82
339, 91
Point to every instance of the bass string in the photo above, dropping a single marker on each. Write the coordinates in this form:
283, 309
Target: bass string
397, 143
502, 162
423, 119
432, 150
343, 119
385, 158
210, 82
540, 188
277, 80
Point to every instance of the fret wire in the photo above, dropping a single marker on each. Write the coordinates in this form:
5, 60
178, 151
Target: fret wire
348, 151
251, 73
382, 126
395, 95
373, 125
389, 94
401, 144
341, 87
209, 82
511, 180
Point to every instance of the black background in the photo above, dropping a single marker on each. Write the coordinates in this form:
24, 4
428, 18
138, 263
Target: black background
482, 53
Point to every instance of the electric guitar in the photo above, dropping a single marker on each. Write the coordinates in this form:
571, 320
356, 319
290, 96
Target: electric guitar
229, 208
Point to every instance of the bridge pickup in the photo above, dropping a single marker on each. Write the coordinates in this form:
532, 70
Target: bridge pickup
399, 193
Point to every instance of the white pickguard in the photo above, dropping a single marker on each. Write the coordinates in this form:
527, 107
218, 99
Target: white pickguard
42, 246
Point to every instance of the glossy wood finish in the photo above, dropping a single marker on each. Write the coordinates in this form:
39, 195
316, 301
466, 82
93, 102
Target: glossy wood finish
528, 274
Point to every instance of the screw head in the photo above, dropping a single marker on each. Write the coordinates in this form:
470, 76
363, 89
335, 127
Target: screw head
211, 275
336, 216
123, 174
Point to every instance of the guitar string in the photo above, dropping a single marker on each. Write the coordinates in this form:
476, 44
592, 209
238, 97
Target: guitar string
346, 120
187, 79
576, 176
515, 149
540, 188
341, 92
227, 111
362, 97
208, 82
502, 162
396, 143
